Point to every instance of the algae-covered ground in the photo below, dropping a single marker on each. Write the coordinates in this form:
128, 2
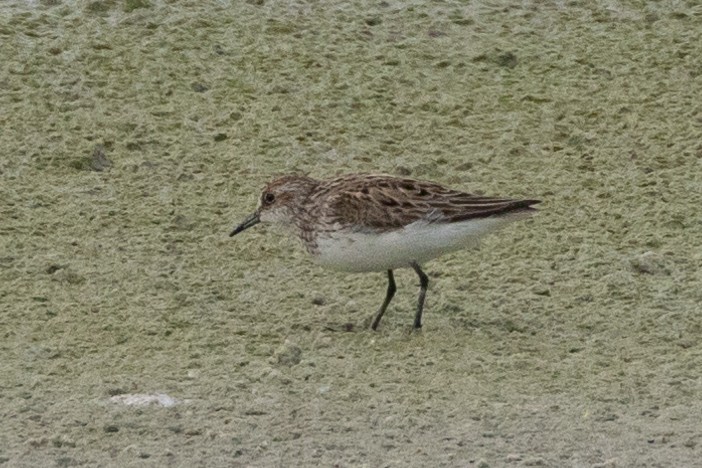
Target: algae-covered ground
135, 134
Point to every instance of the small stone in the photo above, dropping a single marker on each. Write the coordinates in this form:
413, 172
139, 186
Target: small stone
649, 263
199, 87
507, 60
53, 268
289, 354
611, 463
319, 300
68, 276
98, 161
143, 399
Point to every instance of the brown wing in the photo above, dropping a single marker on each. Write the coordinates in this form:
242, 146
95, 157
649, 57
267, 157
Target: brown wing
379, 202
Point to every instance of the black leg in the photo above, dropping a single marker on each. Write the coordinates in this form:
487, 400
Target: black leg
423, 283
388, 298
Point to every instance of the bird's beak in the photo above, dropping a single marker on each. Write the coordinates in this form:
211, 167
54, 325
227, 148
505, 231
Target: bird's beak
251, 220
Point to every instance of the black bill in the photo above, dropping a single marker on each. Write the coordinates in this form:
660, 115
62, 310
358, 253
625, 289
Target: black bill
251, 220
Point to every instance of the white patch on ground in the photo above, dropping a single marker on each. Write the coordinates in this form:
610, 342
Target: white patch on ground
143, 399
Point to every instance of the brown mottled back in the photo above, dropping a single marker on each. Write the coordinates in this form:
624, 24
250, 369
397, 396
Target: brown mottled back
384, 203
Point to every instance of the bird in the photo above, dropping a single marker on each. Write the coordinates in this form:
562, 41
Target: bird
376, 222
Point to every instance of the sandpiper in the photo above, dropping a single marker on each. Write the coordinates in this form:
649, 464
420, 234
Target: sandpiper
371, 222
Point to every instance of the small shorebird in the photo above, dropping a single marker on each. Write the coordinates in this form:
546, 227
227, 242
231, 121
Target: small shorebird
368, 222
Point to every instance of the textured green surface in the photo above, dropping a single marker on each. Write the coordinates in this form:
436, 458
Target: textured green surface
572, 339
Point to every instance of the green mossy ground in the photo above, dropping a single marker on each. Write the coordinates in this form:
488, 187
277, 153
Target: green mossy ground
135, 134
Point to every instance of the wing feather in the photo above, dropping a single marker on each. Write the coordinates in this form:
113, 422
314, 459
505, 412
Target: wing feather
385, 203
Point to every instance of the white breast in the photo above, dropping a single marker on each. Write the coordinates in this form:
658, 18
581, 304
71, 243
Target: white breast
417, 242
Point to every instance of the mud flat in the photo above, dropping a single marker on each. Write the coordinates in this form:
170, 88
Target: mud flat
134, 134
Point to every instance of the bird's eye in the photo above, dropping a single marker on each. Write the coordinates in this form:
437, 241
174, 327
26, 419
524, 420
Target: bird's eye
268, 198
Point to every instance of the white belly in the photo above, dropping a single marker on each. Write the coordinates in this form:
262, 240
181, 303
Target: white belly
417, 242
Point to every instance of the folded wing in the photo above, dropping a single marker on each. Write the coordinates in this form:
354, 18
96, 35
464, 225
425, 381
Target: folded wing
384, 203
